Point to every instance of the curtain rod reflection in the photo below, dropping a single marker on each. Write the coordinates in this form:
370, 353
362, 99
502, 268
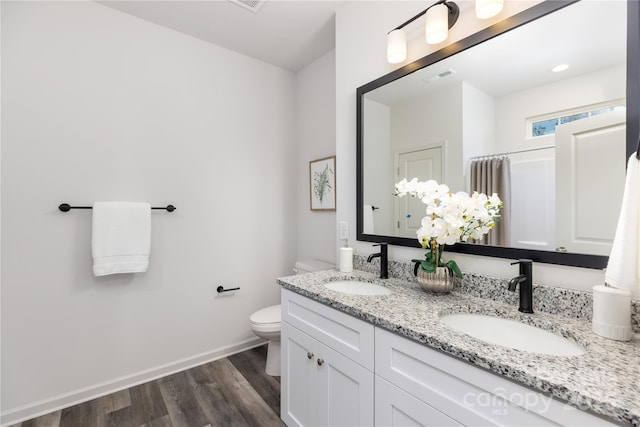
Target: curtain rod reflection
506, 153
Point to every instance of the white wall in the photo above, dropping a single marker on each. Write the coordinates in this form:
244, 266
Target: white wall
478, 126
429, 121
360, 58
99, 105
315, 124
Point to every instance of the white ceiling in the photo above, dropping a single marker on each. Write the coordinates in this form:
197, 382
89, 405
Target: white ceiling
293, 33
289, 34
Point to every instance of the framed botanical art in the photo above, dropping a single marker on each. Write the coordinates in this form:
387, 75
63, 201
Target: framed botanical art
322, 182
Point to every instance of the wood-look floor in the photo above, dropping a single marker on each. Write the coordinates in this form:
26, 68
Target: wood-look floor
234, 391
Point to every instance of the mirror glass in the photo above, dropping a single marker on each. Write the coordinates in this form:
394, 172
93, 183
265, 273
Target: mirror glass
559, 136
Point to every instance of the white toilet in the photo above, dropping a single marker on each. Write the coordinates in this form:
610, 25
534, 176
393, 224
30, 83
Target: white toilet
266, 322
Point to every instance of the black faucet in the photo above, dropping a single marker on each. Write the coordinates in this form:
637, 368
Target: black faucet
384, 260
525, 279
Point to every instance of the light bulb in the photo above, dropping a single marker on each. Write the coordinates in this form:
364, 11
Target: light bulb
396, 46
488, 8
437, 25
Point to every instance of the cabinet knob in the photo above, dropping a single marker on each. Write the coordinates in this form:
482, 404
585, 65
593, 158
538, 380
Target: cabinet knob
309, 355
320, 362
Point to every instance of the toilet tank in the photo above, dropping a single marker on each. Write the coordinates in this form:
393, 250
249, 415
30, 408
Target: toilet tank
308, 266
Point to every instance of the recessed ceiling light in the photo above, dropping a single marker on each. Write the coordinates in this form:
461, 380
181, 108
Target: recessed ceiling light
559, 68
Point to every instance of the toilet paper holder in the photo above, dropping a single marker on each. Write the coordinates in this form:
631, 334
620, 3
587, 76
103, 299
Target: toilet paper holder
221, 289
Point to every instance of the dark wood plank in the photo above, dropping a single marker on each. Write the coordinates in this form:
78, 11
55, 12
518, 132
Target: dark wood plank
159, 422
217, 404
236, 388
113, 402
119, 418
49, 420
83, 414
147, 403
181, 402
251, 365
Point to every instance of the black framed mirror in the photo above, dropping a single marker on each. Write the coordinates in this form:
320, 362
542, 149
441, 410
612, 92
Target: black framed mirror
368, 171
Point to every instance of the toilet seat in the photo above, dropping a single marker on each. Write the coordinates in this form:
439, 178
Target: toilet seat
267, 319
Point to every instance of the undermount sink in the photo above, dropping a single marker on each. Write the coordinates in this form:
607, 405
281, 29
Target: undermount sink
512, 334
356, 287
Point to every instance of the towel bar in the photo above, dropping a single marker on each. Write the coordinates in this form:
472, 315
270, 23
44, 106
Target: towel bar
65, 207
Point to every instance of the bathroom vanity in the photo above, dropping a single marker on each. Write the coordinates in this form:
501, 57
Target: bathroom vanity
389, 360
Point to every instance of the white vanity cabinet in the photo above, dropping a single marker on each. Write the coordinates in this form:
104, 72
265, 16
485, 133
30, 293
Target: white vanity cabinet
335, 367
327, 365
419, 386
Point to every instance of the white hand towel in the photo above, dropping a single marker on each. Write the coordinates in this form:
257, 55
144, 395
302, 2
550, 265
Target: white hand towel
121, 237
623, 269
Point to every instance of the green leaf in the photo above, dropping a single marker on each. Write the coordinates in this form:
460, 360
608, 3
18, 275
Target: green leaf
453, 266
428, 266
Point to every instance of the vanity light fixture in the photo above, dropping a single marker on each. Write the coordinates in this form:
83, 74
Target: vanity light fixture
486, 9
440, 17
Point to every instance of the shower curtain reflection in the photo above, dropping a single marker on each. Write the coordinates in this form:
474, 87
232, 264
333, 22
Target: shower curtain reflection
493, 175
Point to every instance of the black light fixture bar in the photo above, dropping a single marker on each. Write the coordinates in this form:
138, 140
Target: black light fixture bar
454, 13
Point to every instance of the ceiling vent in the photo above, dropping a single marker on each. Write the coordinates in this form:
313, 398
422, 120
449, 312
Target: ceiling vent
252, 5
439, 76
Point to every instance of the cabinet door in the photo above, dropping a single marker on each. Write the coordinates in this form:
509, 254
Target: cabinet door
345, 390
395, 407
299, 378
344, 333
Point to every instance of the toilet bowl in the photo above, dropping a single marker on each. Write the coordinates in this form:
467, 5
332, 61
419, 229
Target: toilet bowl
266, 322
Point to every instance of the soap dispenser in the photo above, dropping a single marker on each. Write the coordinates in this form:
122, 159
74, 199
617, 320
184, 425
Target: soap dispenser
346, 258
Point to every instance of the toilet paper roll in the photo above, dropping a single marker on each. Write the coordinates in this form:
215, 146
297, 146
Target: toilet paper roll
612, 313
346, 260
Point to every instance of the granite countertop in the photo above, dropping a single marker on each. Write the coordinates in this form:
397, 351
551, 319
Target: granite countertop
605, 380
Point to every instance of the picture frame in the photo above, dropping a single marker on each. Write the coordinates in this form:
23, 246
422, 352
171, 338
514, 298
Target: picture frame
322, 184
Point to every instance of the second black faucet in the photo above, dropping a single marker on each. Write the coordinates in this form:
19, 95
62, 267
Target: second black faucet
384, 259
525, 280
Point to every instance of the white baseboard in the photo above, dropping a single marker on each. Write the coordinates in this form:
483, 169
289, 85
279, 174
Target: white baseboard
45, 406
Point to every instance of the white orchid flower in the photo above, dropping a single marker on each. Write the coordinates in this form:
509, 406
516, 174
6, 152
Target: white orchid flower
451, 217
